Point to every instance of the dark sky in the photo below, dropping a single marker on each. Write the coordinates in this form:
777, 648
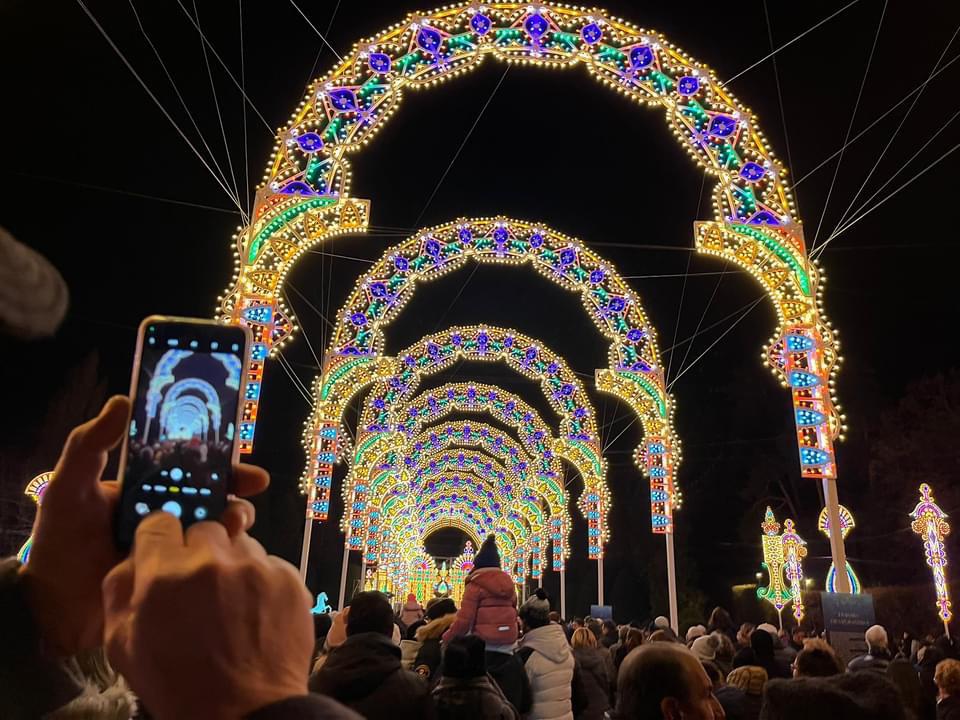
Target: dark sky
86, 153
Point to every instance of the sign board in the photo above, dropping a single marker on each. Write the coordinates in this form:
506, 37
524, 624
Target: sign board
846, 618
601, 612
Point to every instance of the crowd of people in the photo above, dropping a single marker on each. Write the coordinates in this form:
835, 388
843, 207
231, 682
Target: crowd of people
205, 624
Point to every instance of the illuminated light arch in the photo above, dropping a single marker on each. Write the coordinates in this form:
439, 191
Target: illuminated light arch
578, 442
185, 413
305, 194
506, 407
173, 395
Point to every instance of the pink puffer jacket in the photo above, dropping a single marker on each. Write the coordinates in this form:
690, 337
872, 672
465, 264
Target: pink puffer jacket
488, 608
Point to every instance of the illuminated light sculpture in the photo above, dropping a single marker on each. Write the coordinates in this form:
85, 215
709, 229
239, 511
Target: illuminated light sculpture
34, 490
305, 194
775, 592
930, 523
847, 524
322, 605
794, 550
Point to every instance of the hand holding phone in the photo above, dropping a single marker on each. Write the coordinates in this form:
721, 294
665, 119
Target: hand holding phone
182, 440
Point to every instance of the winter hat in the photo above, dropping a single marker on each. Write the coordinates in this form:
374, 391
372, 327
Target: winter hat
749, 678
661, 623
536, 610
695, 631
768, 628
412, 599
464, 658
705, 648
487, 555
443, 606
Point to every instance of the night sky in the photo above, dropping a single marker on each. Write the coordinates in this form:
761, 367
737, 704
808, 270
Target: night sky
87, 159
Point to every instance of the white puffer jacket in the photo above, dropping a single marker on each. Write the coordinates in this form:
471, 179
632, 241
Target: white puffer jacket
550, 670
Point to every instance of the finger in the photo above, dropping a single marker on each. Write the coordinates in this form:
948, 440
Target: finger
117, 590
238, 516
85, 452
249, 480
248, 546
159, 535
208, 536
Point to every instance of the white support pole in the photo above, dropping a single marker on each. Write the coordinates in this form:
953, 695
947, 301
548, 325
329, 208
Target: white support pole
599, 581
343, 577
837, 551
672, 583
540, 580
305, 550
563, 593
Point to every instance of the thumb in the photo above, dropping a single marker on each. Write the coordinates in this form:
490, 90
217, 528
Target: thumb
85, 453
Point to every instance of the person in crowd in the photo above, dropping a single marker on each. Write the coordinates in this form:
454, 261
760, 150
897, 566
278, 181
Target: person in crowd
797, 636
440, 615
594, 626
928, 657
693, 632
877, 658
411, 611
725, 652
336, 636
731, 699
596, 672
704, 648
322, 622
465, 691
633, 641
608, 634
751, 680
621, 639
364, 673
547, 659
664, 681
782, 652
489, 604
761, 653
213, 582
409, 645
904, 677
846, 695
816, 659
743, 635
947, 678
721, 622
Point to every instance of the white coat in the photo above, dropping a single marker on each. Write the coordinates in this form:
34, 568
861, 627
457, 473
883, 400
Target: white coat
550, 670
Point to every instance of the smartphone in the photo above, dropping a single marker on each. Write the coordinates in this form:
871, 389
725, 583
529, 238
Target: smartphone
178, 455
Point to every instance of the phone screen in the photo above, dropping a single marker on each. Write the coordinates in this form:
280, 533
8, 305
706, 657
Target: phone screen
179, 452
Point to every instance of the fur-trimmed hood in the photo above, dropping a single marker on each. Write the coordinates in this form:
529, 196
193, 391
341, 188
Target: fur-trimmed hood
435, 628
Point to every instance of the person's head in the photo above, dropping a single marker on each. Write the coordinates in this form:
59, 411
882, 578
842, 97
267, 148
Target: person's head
798, 636
321, 626
370, 611
876, 638
608, 628
661, 623
695, 631
535, 612
664, 681
577, 622
488, 555
554, 616
713, 672
762, 643
439, 607
749, 678
622, 632
596, 627
412, 599
744, 633
582, 637
464, 658
816, 659
947, 678
411, 633
705, 647
720, 620
634, 638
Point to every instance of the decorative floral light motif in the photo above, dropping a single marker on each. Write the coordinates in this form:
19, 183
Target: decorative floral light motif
773, 562
794, 550
930, 523
34, 490
847, 524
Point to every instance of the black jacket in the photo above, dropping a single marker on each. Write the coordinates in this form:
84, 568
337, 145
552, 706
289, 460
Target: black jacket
850, 695
949, 709
596, 675
365, 674
508, 673
476, 698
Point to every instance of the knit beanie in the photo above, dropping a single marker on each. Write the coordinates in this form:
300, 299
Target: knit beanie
464, 657
487, 555
536, 610
695, 631
443, 606
749, 678
705, 648
661, 623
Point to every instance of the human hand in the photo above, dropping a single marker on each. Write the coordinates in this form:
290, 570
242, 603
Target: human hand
203, 625
73, 545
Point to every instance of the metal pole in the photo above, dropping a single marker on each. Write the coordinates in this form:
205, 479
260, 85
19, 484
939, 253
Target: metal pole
946, 629
305, 550
672, 583
540, 580
563, 593
780, 618
343, 576
600, 581
837, 550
